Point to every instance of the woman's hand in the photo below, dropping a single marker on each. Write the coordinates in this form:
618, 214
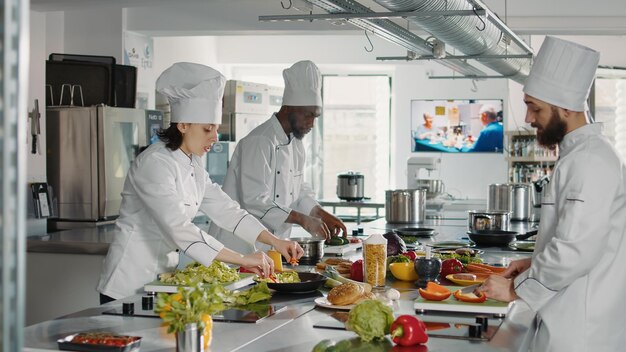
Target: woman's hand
259, 263
516, 267
335, 226
289, 249
499, 288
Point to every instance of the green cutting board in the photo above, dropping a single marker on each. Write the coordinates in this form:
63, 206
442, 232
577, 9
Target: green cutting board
451, 304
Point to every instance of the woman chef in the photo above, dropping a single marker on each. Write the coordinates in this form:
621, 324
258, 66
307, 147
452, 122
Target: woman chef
167, 185
575, 281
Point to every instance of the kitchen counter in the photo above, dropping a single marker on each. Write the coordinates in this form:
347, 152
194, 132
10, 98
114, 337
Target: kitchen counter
291, 329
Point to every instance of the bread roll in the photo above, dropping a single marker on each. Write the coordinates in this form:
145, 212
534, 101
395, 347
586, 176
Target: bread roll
345, 294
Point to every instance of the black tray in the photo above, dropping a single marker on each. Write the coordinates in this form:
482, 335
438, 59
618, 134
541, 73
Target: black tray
66, 344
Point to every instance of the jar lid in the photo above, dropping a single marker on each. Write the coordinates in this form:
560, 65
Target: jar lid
350, 174
376, 239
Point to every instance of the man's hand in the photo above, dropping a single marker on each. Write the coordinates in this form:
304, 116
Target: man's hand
315, 226
499, 288
289, 249
259, 263
516, 267
335, 225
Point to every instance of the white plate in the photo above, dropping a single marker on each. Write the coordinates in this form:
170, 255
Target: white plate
323, 302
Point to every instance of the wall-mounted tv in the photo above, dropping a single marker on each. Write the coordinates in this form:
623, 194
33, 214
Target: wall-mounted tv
457, 126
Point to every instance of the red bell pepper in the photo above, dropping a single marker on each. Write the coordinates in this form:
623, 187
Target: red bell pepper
475, 297
408, 330
451, 266
356, 270
411, 255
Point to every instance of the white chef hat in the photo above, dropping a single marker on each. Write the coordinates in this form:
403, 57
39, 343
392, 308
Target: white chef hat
487, 108
194, 92
303, 85
562, 74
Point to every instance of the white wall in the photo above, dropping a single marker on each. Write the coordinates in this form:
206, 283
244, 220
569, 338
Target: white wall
95, 32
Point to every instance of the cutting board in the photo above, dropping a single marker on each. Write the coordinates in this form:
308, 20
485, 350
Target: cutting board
343, 249
158, 286
451, 304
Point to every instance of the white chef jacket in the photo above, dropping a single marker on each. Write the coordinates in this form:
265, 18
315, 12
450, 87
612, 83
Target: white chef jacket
265, 176
577, 281
162, 193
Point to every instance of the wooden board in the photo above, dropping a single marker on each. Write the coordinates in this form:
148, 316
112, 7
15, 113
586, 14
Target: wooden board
158, 286
451, 304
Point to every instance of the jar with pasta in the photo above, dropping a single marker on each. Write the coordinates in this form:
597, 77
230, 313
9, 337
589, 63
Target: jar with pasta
375, 260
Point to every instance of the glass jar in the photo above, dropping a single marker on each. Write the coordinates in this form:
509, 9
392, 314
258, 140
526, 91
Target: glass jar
375, 260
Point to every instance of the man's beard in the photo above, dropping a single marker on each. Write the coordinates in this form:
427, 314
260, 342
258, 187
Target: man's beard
297, 131
553, 133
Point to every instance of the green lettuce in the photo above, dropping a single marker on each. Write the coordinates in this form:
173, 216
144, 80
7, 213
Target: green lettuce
370, 319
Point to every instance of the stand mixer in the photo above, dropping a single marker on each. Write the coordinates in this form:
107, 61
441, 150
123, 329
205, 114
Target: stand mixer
419, 171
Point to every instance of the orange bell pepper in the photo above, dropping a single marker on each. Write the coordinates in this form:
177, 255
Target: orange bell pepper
478, 297
434, 292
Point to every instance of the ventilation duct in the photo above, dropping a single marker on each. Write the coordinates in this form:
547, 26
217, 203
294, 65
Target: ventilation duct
392, 32
469, 34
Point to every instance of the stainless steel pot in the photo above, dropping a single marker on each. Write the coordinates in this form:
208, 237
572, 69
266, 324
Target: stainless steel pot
499, 197
520, 201
313, 248
479, 220
350, 186
405, 206
433, 187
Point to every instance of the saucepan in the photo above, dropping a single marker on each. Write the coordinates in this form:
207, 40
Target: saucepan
313, 248
488, 220
492, 237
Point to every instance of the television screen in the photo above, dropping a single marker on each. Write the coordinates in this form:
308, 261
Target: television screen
457, 126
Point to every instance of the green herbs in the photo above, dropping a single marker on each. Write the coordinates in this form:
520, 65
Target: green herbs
196, 273
397, 259
198, 303
465, 259
287, 277
370, 319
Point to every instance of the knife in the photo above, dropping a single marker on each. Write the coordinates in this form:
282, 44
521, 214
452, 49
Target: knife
470, 288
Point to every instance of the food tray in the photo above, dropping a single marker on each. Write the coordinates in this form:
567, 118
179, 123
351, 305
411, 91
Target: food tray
101, 342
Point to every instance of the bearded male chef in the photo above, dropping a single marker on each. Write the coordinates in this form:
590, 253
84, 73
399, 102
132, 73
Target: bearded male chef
166, 187
575, 281
266, 173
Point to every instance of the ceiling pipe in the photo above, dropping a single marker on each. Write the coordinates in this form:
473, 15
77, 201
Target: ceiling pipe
392, 32
472, 35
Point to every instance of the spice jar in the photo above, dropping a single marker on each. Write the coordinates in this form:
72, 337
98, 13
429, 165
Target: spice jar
375, 260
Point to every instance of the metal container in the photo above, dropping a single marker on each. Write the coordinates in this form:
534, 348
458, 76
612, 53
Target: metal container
520, 201
313, 248
434, 188
405, 206
350, 186
499, 197
479, 220
190, 339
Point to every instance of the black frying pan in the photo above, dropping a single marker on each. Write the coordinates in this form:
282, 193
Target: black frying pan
415, 231
492, 237
526, 236
309, 282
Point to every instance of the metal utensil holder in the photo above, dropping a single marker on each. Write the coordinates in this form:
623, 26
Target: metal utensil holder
190, 339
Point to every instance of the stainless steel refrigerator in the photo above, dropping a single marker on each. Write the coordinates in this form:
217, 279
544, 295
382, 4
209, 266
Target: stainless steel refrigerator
89, 152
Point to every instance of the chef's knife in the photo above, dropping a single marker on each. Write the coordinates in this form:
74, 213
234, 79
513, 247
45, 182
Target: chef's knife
470, 288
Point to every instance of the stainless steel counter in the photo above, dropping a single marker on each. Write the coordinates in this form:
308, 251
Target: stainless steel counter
90, 240
290, 329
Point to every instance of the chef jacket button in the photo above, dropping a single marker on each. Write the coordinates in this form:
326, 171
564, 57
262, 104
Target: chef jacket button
192, 174
278, 172
291, 194
277, 196
177, 250
196, 203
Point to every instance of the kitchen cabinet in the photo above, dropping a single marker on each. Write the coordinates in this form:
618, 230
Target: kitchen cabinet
527, 160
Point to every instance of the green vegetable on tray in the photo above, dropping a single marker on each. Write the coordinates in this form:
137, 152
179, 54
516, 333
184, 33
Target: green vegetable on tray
465, 259
287, 277
196, 273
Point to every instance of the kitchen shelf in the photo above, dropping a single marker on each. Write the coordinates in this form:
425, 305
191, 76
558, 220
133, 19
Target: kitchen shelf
527, 160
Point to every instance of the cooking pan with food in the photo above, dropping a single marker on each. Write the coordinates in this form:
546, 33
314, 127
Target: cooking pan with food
492, 237
526, 236
308, 282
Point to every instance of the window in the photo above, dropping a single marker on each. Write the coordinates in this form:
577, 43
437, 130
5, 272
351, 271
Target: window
355, 133
609, 102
